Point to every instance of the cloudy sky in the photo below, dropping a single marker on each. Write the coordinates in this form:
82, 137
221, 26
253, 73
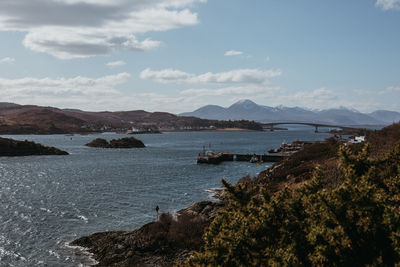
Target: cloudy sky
178, 55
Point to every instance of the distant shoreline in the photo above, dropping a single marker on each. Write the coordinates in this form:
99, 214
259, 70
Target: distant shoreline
164, 131
213, 130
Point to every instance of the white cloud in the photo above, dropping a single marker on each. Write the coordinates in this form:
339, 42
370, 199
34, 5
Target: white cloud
164, 76
102, 93
83, 28
237, 76
118, 63
102, 2
388, 4
67, 43
233, 53
320, 94
362, 92
375, 93
320, 98
240, 92
254, 76
7, 60
72, 87
393, 89
388, 90
96, 94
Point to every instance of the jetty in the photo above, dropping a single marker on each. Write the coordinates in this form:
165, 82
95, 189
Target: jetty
274, 155
217, 158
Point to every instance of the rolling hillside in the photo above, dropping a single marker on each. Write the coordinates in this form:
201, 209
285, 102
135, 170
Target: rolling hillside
29, 119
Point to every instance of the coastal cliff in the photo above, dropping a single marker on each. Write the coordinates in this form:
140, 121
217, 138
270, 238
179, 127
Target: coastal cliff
13, 148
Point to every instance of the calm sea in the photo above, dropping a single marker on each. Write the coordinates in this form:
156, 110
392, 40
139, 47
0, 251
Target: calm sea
47, 201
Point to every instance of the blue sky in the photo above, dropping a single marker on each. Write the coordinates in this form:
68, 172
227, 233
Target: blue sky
178, 55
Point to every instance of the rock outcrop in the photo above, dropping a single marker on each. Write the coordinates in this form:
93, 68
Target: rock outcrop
165, 242
127, 142
12, 148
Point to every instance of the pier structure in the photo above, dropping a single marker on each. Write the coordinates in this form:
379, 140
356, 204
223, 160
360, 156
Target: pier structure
226, 156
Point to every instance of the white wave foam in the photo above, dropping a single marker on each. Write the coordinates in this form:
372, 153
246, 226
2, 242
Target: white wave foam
83, 218
6, 253
84, 255
25, 217
46, 210
211, 192
55, 254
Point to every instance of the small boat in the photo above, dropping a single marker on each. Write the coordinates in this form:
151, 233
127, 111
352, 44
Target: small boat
255, 159
208, 156
273, 150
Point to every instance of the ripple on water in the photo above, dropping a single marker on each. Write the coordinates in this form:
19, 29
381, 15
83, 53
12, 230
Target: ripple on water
6, 251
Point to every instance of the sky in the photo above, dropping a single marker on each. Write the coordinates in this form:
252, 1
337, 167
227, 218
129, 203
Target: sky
179, 55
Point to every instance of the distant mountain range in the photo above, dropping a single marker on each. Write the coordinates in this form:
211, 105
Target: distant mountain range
248, 110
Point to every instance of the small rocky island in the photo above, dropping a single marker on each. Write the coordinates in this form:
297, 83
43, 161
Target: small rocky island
12, 148
127, 142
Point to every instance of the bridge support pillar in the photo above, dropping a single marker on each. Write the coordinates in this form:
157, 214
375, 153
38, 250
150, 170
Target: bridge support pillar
272, 128
316, 128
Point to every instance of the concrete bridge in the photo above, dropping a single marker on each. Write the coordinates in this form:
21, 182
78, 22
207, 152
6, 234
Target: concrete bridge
270, 125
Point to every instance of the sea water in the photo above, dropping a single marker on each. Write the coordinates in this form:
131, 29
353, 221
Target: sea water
48, 201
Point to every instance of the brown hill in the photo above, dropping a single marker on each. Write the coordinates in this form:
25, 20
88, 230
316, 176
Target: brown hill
29, 119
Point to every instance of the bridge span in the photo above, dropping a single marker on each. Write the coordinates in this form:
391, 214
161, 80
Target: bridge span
270, 125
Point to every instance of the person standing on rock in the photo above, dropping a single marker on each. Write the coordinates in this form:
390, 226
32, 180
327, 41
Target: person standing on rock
157, 209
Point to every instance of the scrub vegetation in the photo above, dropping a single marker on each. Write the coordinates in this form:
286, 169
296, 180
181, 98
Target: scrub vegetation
344, 212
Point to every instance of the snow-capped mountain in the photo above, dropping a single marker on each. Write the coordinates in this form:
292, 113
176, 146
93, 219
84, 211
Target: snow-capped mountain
248, 110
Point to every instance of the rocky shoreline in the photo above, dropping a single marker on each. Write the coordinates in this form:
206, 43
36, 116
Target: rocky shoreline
14, 148
165, 242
